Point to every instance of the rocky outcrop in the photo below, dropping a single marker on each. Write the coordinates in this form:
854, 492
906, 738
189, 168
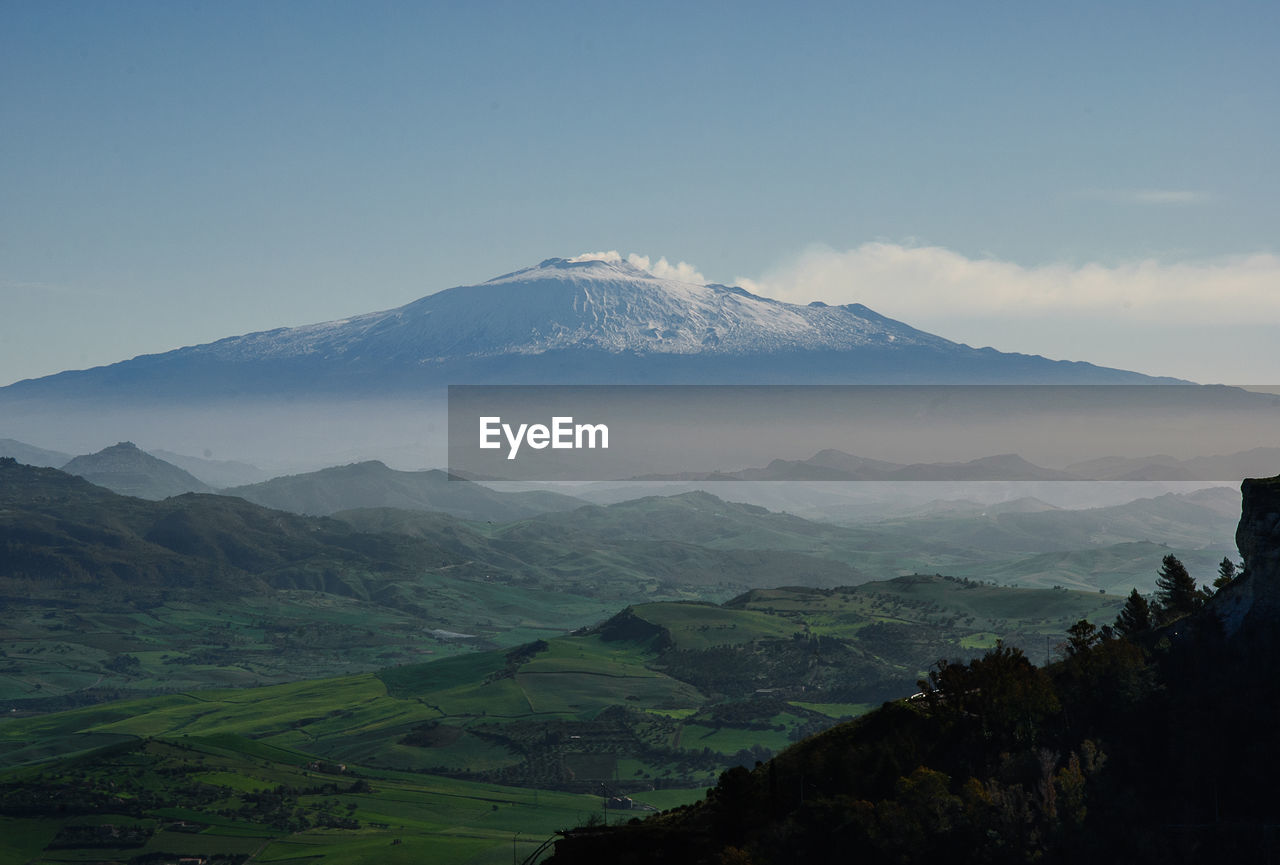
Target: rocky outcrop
1258, 535
1255, 597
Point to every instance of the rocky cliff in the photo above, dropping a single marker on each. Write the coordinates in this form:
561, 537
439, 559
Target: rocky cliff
1255, 597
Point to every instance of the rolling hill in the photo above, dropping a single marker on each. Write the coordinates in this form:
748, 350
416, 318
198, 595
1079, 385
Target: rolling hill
125, 469
373, 485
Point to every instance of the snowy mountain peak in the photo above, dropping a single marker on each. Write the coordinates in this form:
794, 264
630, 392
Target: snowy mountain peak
592, 304
579, 267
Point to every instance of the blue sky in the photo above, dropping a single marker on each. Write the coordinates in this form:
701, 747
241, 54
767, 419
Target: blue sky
1078, 180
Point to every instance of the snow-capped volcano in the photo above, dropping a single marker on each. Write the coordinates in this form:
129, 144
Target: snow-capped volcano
568, 322
561, 304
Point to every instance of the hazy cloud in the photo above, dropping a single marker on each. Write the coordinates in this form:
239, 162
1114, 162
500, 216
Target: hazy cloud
927, 282
663, 269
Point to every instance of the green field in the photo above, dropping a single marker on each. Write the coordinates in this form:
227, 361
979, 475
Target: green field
258, 640
762, 645
448, 759
225, 795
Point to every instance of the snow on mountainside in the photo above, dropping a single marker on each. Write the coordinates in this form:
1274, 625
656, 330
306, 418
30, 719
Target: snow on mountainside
593, 305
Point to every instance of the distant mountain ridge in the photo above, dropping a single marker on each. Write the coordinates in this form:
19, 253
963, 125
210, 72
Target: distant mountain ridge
1257, 462
216, 473
213, 474
373, 485
834, 465
61, 532
567, 322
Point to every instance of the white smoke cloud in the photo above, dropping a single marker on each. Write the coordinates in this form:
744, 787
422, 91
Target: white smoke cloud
612, 256
663, 269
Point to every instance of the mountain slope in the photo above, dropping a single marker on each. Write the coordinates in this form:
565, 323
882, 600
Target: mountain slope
32, 455
60, 531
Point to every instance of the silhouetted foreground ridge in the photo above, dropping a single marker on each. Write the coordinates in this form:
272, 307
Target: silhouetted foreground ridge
1155, 746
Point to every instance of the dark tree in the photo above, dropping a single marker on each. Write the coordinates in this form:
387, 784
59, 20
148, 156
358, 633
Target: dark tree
1226, 573
1135, 617
1175, 590
1002, 692
1081, 637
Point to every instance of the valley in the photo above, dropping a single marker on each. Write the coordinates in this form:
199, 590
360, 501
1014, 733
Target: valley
652, 704
106, 596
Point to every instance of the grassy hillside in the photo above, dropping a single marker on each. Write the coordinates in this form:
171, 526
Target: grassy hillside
230, 797
664, 672
54, 655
